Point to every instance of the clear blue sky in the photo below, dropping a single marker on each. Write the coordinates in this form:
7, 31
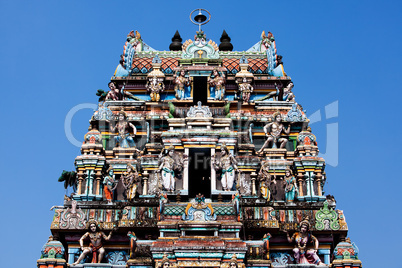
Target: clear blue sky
55, 54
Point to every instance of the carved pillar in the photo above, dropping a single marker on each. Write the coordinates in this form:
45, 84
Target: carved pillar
80, 176
300, 180
253, 179
185, 171
145, 182
213, 172
319, 186
98, 182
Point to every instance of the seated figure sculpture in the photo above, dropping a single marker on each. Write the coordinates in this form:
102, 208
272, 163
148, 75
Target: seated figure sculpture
181, 83
95, 245
155, 87
115, 94
302, 238
228, 165
124, 138
276, 128
216, 82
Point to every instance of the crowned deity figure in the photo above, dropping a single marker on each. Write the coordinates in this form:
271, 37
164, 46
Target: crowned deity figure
166, 170
124, 138
265, 181
154, 86
302, 240
228, 165
130, 181
181, 83
245, 89
110, 185
216, 83
274, 135
290, 186
95, 245
115, 94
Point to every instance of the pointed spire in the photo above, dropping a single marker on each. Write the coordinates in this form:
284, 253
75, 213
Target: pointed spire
225, 44
176, 42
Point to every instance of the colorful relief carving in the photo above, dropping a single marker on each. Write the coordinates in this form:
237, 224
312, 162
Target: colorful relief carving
123, 137
73, 218
110, 185
303, 239
182, 83
133, 243
266, 181
273, 132
216, 83
95, 246
245, 89
130, 180
227, 164
290, 186
326, 219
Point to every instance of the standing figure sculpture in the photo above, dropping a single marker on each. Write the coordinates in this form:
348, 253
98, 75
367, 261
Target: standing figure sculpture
166, 170
181, 83
130, 181
290, 186
245, 89
155, 87
265, 181
216, 82
276, 128
95, 245
110, 185
133, 243
124, 138
228, 164
302, 239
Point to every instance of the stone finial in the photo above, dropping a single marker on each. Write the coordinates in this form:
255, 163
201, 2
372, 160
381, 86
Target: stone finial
176, 44
225, 44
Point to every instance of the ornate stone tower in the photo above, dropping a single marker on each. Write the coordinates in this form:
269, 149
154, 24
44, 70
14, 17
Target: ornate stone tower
199, 158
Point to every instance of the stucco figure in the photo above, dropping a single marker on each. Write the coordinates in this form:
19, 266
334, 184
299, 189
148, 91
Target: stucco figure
123, 138
290, 186
110, 185
181, 83
273, 132
216, 83
228, 166
130, 181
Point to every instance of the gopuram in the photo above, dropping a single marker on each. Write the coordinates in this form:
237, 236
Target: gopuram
198, 156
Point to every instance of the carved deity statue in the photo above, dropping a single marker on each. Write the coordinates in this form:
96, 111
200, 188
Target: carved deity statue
245, 89
302, 239
130, 181
290, 186
166, 170
155, 86
216, 83
276, 128
288, 94
181, 83
124, 138
110, 185
115, 94
133, 243
228, 165
265, 181
95, 245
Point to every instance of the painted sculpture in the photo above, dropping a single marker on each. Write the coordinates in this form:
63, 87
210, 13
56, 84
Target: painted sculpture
181, 84
265, 241
216, 83
123, 138
288, 94
95, 245
154, 87
130, 182
276, 128
110, 185
166, 171
245, 89
265, 181
133, 243
290, 186
115, 94
228, 166
303, 239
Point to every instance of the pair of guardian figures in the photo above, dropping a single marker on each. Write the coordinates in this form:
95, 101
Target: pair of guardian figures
216, 83
302, 239
171, 163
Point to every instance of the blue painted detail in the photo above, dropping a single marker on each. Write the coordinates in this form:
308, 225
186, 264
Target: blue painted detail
168, 70
144, 70
135, 70
295, 115
117, 257
204, 214
280, 258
